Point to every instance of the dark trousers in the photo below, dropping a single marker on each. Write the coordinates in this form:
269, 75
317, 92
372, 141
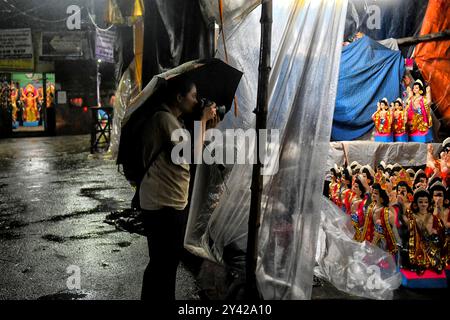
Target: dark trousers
165, 235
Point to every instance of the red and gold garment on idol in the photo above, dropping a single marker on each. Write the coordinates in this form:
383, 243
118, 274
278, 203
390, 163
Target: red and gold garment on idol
349, 195
383, 126
400, 134
358, 219
419, 120
426, 251
380, 233
334, 193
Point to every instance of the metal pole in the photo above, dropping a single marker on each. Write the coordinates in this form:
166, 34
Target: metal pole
99, 102
44, 101
254, 222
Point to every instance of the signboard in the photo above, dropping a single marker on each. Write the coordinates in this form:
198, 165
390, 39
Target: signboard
16, 49
104, 45
62, 44
62, 97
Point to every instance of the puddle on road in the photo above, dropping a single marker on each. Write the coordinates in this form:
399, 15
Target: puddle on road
9, 236
101, 208
65, 295
124, 244
91, 235
12, 208
53, 238
92, 192
8, 225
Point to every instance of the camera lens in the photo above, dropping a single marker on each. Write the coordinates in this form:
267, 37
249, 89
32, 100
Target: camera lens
204, 103
221, 110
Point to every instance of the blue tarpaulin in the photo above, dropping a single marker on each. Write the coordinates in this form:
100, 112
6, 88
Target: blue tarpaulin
368, 72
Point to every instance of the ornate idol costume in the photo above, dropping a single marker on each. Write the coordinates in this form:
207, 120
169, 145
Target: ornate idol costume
419, 114
50, 95
379, 227
400, 119
348, 197
14, 96
29, 97
382, 119
441, 202
426, 235
446, 249
335, 186
358, 208
346, 192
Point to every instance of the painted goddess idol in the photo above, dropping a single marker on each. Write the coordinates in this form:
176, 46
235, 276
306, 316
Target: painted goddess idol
400, 119
382, 119
30, 99
419, 114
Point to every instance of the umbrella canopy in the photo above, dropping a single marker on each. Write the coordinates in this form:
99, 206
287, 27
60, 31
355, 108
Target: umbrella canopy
214, 79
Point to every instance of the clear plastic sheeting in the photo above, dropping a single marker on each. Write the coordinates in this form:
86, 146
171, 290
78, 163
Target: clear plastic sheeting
234, 11
126, 91
306, 48
360, 269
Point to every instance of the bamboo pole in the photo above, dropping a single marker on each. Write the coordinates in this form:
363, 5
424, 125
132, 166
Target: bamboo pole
444, 35
254, 223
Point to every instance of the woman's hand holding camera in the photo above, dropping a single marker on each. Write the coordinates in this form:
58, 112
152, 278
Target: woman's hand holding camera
210, 116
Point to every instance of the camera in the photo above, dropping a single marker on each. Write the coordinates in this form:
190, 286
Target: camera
221, 110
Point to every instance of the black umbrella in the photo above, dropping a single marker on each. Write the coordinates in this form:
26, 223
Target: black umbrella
215, 80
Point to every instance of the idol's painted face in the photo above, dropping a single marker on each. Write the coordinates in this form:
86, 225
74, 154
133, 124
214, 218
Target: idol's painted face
422, 203
376, 196
402, 190
438, 197
416, 89
422, 183
355, 188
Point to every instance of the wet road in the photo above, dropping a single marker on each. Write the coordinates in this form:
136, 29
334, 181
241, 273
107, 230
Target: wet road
54, 197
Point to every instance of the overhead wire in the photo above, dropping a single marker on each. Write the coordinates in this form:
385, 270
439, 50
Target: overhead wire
95, 25
22, 12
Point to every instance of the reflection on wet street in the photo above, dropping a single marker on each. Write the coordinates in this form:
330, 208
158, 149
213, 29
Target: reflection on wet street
54, 197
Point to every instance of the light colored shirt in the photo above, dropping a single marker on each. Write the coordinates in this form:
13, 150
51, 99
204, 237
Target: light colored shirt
165, 184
